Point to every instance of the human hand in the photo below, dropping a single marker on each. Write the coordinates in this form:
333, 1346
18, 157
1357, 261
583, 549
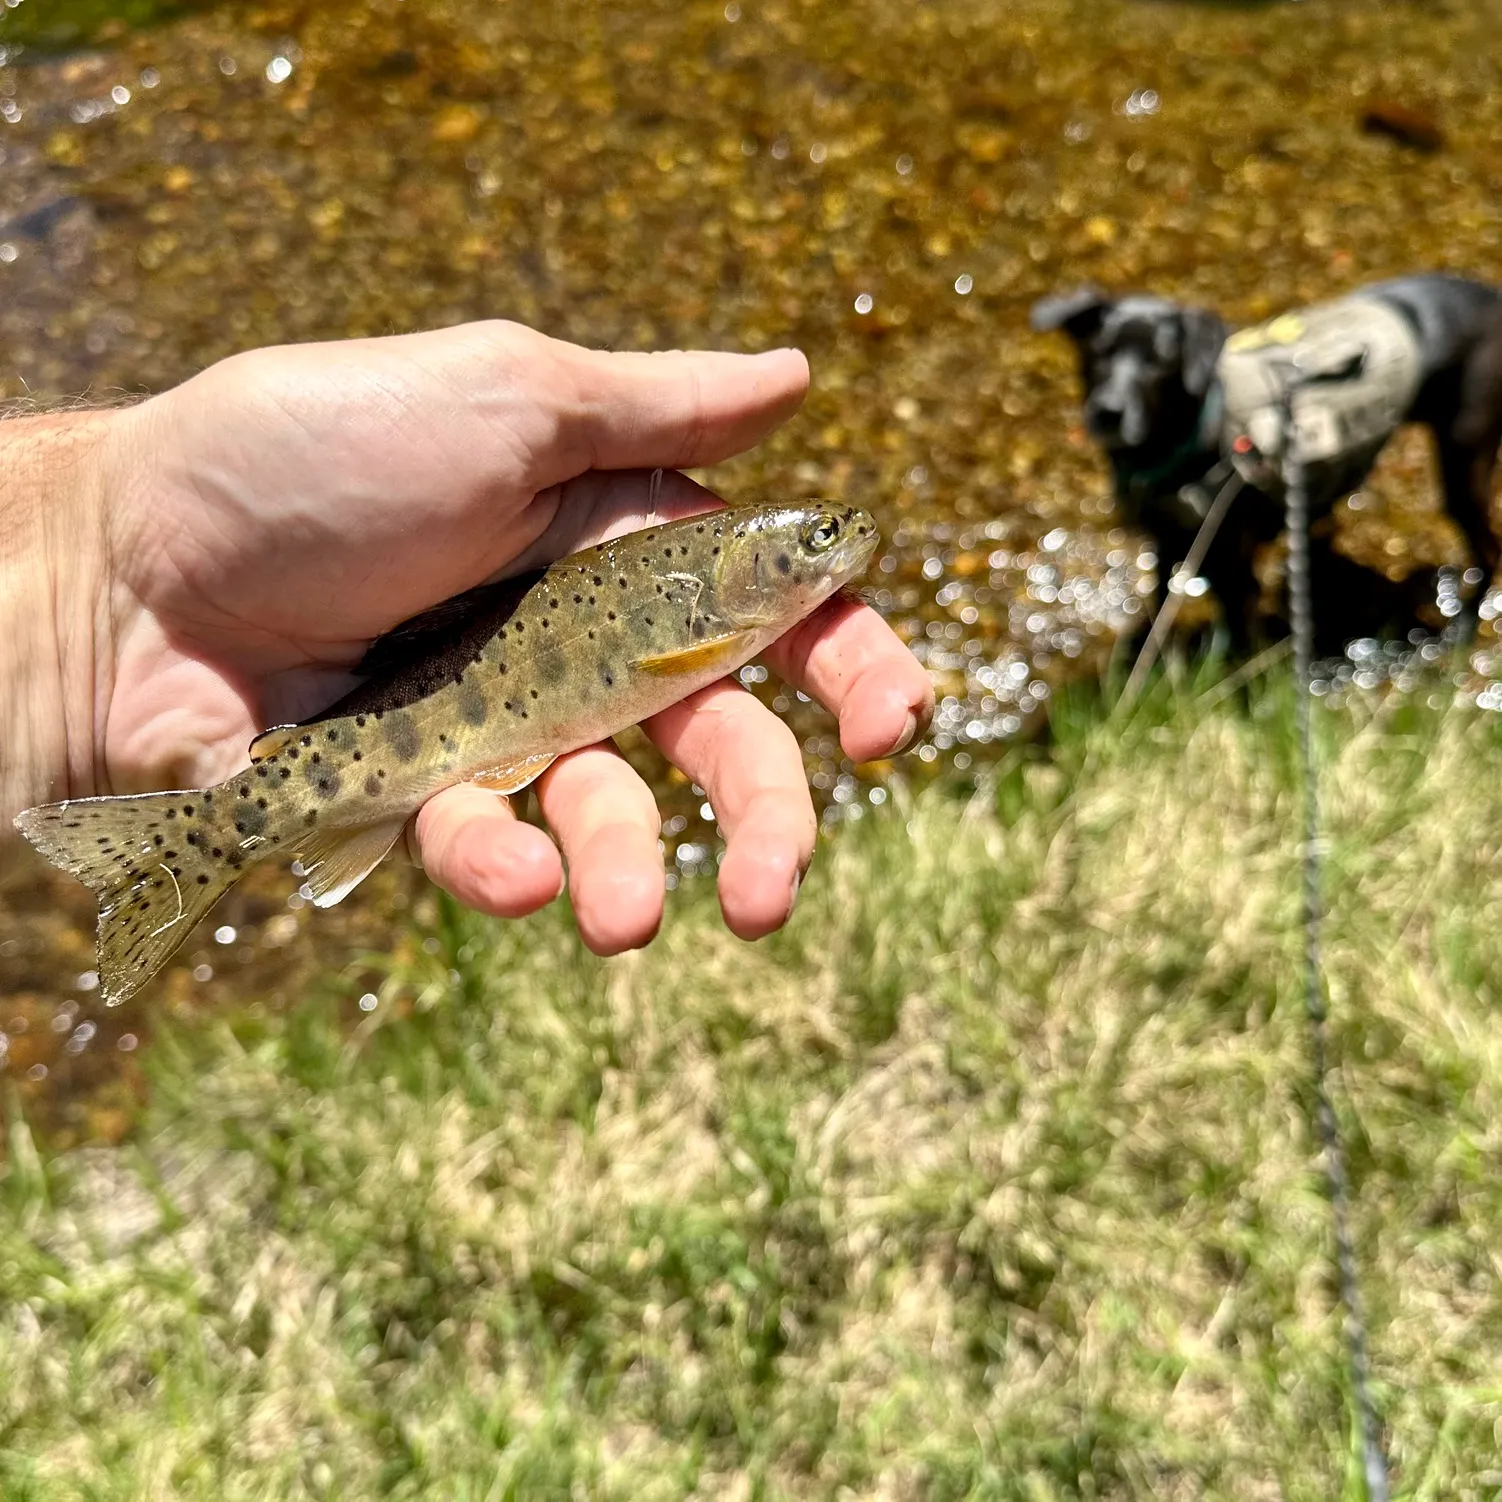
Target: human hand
249, 531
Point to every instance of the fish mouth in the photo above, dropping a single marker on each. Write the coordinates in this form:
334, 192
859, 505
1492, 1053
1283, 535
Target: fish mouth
851, 556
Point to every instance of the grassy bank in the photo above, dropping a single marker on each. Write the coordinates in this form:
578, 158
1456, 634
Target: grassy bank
989, 1178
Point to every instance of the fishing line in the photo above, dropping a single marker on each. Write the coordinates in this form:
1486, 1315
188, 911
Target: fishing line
1188, 569
1373, 1463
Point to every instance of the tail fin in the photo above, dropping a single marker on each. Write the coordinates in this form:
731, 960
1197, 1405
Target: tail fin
155, 862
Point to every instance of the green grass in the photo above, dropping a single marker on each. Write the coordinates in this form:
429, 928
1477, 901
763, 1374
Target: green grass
990, 1178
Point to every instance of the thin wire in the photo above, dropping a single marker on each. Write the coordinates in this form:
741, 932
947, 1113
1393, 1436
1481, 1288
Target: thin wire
1374, 1465
1163, 621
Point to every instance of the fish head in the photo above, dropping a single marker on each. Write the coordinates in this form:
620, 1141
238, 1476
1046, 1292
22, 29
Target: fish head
780, 562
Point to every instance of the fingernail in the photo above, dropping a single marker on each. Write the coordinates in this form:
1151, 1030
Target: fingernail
909, 734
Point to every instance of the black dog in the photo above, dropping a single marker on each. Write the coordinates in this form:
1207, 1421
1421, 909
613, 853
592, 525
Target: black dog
1178, 402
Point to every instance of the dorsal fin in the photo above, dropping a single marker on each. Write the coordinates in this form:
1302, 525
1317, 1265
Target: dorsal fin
272, 742
417, 657
481, 610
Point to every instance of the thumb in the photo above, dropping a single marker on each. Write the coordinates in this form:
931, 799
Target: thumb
674, 410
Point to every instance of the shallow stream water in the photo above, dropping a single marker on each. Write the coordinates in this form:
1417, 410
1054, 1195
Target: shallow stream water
886, 185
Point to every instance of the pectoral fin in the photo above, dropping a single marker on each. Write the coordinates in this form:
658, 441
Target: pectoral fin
719, 652
512, 777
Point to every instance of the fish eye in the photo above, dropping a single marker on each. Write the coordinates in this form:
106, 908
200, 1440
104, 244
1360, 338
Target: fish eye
822, 535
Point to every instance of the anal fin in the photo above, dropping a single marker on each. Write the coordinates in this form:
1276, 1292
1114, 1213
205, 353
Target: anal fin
702, 656
336, 862
512, 777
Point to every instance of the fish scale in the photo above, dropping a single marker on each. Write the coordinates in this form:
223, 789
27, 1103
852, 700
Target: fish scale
488, 687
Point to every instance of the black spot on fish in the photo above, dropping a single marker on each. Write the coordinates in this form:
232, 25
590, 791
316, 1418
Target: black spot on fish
552, 604
533, 692
315, 758
610, 615
358, 756
500, 667
521, 625
623, 581
715, 552
217, 853
307, 740
648, 619
292, 753
261, 771
598, 581
591, 636
328, 785
333, 735
591, 599
606, 676
667, 552
260, 803
578, 599
285, 773
244, 791
158, 841
401, 735
544, 623
784, 563
700, 529
372, 786
380, 772
187, 810
360, 723
683, 551
203, 881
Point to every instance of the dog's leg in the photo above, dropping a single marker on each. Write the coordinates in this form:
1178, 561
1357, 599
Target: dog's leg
1467, 451
1466, 474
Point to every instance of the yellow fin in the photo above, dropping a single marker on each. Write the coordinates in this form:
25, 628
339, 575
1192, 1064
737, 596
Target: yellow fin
719, 651
272, 742
512, 777
334, 864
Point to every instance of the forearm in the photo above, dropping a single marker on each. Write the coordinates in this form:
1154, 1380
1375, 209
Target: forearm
54, 590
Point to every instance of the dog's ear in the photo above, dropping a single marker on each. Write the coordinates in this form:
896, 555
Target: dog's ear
1078, 313
1204, 334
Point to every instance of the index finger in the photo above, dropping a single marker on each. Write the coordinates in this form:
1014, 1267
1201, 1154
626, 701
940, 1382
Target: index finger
854, 664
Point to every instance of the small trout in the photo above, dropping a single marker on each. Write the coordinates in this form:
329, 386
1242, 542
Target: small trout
488, 687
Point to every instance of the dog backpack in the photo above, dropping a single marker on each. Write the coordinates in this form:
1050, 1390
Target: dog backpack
1357, 365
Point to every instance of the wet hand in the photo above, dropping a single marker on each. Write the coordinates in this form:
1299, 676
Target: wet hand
267, 518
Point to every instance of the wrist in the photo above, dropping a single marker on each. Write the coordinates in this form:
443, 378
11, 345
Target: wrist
54, 605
